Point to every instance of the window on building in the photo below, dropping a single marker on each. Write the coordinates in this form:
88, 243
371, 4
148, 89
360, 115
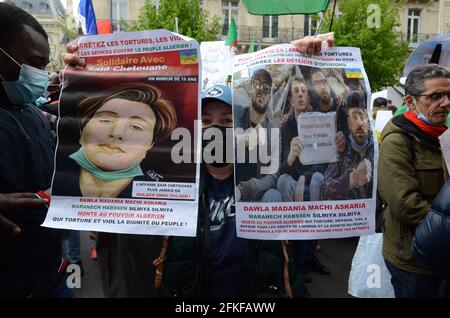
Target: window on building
27, 5
229, 11
313, 21
413, 25
44, 7
270, 26
119, 14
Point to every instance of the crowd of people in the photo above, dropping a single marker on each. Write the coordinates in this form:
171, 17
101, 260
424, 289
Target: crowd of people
217, 263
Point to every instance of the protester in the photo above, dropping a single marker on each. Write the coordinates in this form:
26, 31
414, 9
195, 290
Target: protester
431, 241
214, 263
9, 203
380, 103
411, 175
31, 265
390, 106
117, 129
139, 251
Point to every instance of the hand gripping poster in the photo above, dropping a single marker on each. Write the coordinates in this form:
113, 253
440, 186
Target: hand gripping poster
305, 156
114, 169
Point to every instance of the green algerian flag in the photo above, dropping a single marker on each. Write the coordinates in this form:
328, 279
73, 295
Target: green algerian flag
231, 39
251, 47
280, 7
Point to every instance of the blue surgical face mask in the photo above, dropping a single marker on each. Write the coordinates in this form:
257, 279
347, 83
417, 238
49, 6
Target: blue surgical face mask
81, 158
31, 84
41, 101
423, 118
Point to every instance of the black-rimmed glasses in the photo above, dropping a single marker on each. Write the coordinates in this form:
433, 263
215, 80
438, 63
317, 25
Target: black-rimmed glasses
436, 97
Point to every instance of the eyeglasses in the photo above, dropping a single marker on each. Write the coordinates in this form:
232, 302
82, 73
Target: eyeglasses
261, 85
437, 97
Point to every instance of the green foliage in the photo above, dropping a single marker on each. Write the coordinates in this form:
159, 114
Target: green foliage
68, 25
383, 53
192, 22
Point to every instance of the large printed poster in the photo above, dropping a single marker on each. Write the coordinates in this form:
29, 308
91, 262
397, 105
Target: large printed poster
305, 156
114, 171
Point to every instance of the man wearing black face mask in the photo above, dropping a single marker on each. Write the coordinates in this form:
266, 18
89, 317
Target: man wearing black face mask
31, 260
217, 246
217, 263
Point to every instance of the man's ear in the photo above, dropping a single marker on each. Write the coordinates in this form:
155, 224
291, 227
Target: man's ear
410, 102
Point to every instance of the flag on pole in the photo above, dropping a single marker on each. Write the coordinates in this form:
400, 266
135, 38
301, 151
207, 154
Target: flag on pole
231, 39
280, 7
104, 26
86, 17
251, 47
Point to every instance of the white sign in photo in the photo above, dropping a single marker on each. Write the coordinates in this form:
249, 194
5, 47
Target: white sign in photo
317, 133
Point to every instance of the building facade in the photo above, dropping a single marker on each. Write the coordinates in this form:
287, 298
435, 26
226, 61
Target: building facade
419, 20
50, 14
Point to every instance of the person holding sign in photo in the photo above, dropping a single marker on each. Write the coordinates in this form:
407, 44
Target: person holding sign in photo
299, 182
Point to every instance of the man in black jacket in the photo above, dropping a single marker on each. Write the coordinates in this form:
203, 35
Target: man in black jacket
30, 261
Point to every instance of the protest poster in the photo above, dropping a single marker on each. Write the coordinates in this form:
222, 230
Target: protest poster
216, 63
291, 103
383, 117
114, 171
444, 141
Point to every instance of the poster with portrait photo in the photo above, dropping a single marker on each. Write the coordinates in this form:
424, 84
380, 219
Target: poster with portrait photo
305, 156
121, 117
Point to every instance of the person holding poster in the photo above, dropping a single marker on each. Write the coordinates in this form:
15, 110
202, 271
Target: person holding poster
126, 246
351, 177
217, 263
31, 259
118, 151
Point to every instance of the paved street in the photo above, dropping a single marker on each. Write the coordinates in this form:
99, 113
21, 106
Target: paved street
337, 254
